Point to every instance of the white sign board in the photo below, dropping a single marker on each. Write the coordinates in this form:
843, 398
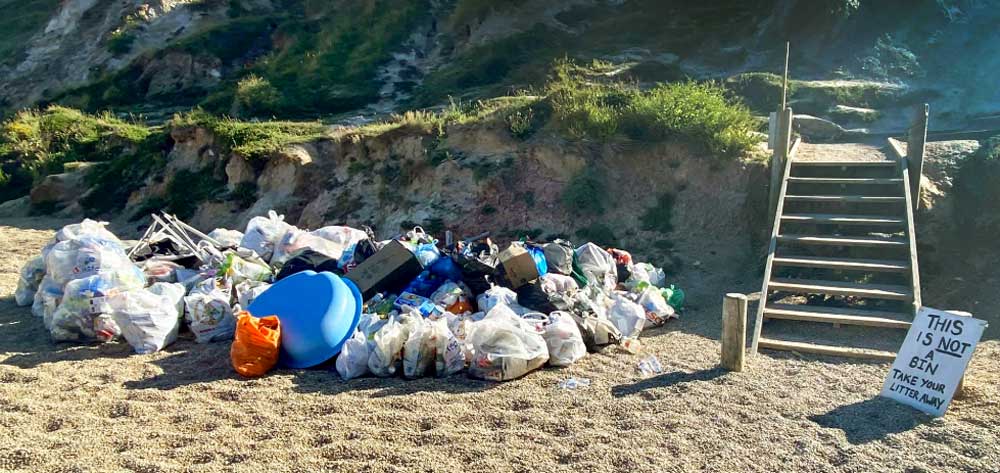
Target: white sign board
933, 360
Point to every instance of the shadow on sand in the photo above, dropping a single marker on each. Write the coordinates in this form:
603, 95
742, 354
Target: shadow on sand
666, 380
871, 419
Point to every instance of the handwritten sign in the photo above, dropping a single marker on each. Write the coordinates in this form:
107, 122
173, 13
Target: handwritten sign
933, 360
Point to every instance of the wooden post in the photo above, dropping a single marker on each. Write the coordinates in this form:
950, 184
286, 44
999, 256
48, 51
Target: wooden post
784, 78
916, 146
734, 331
782, 147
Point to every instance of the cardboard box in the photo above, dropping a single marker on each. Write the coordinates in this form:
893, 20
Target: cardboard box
390, 269
518, 265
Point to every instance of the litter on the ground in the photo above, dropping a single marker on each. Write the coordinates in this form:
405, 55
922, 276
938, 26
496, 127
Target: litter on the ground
412, 305
574, 383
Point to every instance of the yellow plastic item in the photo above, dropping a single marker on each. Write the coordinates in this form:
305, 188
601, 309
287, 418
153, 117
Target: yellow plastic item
256, 344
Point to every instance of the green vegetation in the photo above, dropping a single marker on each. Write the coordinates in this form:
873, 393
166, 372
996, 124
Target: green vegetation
36, 143
21, 19
256, 96
699, 113
977, 194
585, 194
658, 218
761, 91
252, 140
113, 182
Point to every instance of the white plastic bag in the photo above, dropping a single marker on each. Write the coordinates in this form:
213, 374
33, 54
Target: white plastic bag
657, 309
262, 233
27, 283
596, 331
247, 291
494, 296
83, 301
228, 238
160, 271
208, 312
418, 351
505, 347
296, 240
627, 316
86, 256
174, 292
554, 283
386, 352
343, 238
449, 357
148, 321
598, 265
563, 339
353, 359
46, 299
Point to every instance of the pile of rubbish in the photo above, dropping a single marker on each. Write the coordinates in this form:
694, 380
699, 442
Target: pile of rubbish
410, 305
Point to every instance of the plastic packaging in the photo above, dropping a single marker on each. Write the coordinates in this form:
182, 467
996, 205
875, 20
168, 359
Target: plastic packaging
505, 347
247, 291
627, 316
256, 344
676, 297
574, 383
538, 255
449, 357
208, 312
353, 359
553, 283
649, 366
228, 238
657, 309
27, 283
387, 348
563, 339
419, 349
148, 321
597, 265
496, 295
263, 233
174, 292
87, 256
83, 301
237, 269
160, 271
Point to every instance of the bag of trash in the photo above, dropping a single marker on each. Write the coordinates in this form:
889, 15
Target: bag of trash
256, 344
27, 282
46, 299
160, 270
227, 238
427, 253
247, 291
386, 353
446, 268
674, 296
657, 309
87, 228
85, 299
353, 359
174, 292
307, 260
148, 321
478, 263
496, 295
559, 256
627, 316
563, 339
208, 313
356, 254
553, 283
87, 256
344, 238
296, 240
262, 233
419, 349
237, 269
449, 356
596, 331
505, 346
597, 265
645, 272
534, 297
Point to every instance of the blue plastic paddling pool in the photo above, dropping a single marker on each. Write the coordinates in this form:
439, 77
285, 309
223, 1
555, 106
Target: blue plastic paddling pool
318, 313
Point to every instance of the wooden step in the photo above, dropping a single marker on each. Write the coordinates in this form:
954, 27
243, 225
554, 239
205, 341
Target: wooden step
845, 180
850, 199
842, 263
837, 288
837, 315
843, 219
859, 241
772, 344
848, 164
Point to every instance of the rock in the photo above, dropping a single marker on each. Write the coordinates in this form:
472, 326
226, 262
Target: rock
238, 171
16, 208
193, 150
284, 171
854, 114
58, 189
817, 128
177, 72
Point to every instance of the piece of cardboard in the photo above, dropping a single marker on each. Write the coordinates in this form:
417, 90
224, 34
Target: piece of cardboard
389, 269
518, 265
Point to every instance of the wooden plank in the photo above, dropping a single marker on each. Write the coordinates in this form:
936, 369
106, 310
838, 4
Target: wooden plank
846, 164
845, 180
861, 241
828, 350
850, 199
916, 148
734, 331
849, 264
768, 267
838, 288
859, 311
911, 235
823, 315
843, 219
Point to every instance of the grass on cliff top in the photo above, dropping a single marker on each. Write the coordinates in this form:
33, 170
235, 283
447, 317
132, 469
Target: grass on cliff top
252, 140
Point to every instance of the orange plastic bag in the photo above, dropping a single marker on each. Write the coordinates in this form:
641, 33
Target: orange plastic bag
255, 346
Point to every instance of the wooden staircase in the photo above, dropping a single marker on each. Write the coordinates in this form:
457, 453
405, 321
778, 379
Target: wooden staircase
842, 252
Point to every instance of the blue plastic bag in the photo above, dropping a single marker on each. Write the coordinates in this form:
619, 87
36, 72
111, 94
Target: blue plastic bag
539, 256
446, 268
